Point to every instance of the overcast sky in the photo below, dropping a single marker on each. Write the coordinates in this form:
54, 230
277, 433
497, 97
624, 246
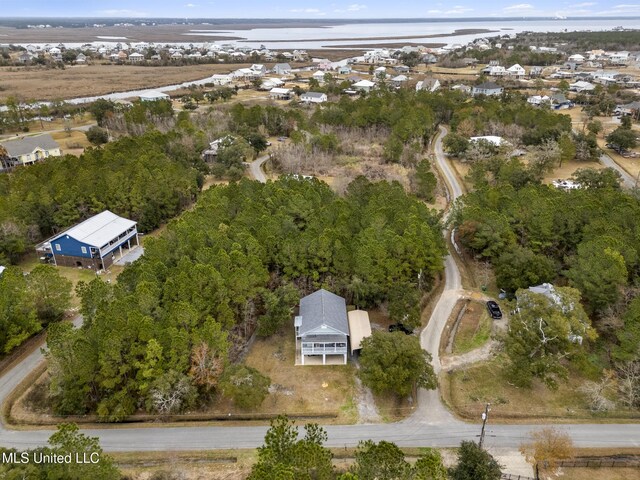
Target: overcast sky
316, 8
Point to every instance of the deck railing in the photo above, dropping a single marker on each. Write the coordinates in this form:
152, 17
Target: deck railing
324, 350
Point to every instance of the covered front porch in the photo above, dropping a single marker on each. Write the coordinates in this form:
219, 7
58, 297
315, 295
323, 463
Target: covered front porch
321, 350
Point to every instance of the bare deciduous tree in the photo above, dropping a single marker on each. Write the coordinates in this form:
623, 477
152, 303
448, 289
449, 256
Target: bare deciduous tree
171, 392
629, 383
597, 392
206, 366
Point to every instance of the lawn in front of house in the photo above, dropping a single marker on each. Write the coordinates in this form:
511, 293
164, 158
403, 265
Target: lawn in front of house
74, 274
309, 389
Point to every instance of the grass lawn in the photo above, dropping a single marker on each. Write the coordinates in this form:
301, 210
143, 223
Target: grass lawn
466, 391
568, 169
215, 465
73, 142
307, 389
600, 473
71, 273
474, 329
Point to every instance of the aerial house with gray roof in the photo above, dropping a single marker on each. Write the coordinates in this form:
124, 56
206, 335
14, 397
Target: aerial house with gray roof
95, 243
322, 328
29, 150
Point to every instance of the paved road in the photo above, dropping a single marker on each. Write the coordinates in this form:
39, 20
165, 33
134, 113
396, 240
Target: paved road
255, 168
454, 187
430, 408
627, 180
82, 128
430, 425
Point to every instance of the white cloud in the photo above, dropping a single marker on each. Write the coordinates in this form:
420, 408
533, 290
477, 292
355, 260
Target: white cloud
356, 7
306, 10
114, 12
458, 9
190, 5
624, 8
519, 7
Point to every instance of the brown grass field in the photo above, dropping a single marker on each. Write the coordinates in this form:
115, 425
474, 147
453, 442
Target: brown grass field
467, 390
600, 473
89, 80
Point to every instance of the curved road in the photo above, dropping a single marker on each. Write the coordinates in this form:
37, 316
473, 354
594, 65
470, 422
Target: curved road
255, 168
430, 425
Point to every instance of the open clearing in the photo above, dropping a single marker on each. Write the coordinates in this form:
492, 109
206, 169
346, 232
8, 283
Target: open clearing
29, 83
466, 391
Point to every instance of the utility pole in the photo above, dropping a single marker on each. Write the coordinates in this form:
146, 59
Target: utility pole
485, 417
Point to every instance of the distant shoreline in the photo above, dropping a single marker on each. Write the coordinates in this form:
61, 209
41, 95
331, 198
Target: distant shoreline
455, 33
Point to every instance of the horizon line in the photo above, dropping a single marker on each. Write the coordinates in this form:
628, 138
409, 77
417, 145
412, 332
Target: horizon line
316, 19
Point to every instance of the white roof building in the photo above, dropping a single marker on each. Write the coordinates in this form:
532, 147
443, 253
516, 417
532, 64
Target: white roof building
99, 229
152, 96
497, 141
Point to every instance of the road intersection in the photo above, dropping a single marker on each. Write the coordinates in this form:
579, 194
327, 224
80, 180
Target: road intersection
431, 424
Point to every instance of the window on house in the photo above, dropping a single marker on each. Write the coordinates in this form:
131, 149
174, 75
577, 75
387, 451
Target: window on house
58, 247
84, 249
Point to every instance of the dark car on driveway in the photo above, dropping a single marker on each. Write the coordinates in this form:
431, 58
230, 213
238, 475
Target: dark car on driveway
398, 327
494, 310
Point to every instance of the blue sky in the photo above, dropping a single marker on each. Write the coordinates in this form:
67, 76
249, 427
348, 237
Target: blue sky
318, 9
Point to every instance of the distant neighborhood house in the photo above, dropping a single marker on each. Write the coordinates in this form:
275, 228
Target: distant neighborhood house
152, 96
313, 97
492, 139
280, 93
29, 150
281, 69
487, 88
93, 243
428, 84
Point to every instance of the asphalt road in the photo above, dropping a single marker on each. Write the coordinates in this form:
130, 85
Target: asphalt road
455, 189
9, 136
255, 168
627, 180
430, 425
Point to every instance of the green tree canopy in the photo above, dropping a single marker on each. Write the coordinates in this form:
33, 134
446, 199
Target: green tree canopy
380, 461
474, 463
545, 329
395, 362
245, 385
622, 138
285, 457
51, 292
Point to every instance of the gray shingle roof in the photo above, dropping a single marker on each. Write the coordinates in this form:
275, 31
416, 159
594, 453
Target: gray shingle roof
312, 94
25, 145
488, 86
323, 308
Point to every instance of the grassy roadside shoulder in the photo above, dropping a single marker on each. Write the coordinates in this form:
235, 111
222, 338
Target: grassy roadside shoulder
466, 391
